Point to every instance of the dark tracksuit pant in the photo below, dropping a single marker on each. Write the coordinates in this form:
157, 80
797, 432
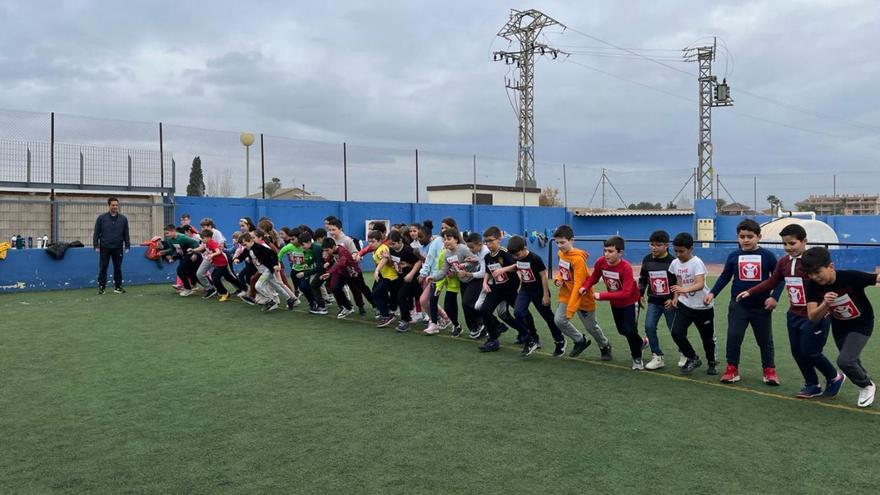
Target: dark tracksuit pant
336, 286
450, 305
492, 300
186, 270
221, 272
245, 274
704, 320
626, 320
302, 284
522, 314
739, 317
105, 255
469, 295
807, 338
384, 294
359, 290
849, 360
405, 295
315, 288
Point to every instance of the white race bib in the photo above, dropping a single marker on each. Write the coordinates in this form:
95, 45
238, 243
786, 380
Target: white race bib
497, 275
796, 292
843, 308
750, 267
659, 283
565, 270
612, 280
524, 269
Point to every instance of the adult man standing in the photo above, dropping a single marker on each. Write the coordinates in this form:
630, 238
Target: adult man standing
110, 239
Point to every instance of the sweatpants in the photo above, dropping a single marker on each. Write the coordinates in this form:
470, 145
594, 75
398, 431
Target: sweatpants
220, 273
337, 288
318, 286
202, 271
704, 320
653, 313
626, 320
245, 274
269, 286
186, 270
430, 300
849, 360
490, 303
469, 295
104, 257
405, 295
303, 285
521, 312
359, 290
588, 319
807, 338
739, 317
384, 294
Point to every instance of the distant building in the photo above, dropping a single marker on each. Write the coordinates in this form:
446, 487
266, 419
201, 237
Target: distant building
736, 209
290, 193
483, 194
842, 204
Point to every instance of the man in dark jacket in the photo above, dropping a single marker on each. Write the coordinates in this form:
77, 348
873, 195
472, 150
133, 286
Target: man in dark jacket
110, 239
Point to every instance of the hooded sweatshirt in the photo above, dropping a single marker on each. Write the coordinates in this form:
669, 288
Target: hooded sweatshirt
573, 272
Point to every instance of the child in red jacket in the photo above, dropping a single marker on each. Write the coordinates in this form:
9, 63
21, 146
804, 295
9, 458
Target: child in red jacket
622, 292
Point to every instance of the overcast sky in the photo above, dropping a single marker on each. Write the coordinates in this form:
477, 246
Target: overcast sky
409, 74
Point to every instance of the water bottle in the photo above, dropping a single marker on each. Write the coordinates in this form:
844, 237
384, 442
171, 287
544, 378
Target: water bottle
13, 242
45, 241
19, 241
30, 243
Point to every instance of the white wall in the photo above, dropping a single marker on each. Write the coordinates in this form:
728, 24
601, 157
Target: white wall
503, 198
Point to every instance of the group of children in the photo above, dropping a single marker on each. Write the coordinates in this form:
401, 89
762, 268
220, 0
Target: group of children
498, 286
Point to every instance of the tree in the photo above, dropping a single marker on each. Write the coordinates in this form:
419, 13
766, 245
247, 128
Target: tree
196, 186
644, 205
775, 202
549, 197
671, 206
221, 185
720, 203
272, 187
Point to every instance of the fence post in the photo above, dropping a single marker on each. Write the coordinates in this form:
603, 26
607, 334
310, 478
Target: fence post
53, 216
81, 168
129, 171
345, 171
417, 175
161, 158
29, 164
263, 165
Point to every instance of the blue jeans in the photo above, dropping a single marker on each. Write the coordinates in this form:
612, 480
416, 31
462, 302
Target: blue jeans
653, 312
807, 338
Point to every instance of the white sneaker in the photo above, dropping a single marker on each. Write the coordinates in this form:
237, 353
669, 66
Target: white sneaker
638, 365
866, 395
682, 360
433, 329
655, 363
444, 323
186, 293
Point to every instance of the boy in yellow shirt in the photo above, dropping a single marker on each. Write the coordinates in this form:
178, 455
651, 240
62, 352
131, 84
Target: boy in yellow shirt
386, 281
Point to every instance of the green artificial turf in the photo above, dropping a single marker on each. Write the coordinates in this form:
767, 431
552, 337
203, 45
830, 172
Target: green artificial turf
148, 392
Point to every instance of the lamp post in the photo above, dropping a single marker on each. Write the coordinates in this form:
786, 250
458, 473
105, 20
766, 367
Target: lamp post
247, 139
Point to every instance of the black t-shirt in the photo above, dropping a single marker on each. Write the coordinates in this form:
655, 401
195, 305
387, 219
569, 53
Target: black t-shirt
851, 311
501, 259
529, 271
403, 260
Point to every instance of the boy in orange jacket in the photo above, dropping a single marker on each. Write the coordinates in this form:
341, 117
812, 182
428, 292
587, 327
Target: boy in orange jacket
572, 273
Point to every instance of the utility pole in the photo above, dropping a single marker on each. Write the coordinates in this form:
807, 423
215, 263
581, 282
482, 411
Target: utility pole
712, 94
523, 27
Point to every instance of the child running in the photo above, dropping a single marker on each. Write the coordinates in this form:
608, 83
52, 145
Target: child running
217, 257
534, 291
690, 305
656, 280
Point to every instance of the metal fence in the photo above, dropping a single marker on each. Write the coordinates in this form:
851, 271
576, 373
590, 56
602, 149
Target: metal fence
65, 220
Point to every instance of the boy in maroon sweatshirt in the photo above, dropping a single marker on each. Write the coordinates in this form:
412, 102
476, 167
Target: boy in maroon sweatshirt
341, 269
622, 292
807, 338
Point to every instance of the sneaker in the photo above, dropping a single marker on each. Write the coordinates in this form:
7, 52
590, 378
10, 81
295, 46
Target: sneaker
655, 363
100, 291
270, 306
456, 330
691, 365
318, 310
605, 352
186, 293
329, 300
489, 346
483, 332
209, 293
580, 347
528, 349
344, 312
645, 343
475, 333
224, 298
296, 301
731, 374
416, 316
444, 323
770, 377
809, 391
866, 395
290, 303
433, 329
833, 386
638, 365
384, 321
402, 327
119, 290
362, 311
682, 360
712, 368
247, 299
559, 351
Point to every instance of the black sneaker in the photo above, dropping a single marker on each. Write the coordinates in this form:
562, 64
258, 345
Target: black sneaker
489, 346
100, 291
119, 290
520, 340
316, 310
270, 306
362, 311
712, 368
209, 293
384, 321
247, 299
560, 349
605, 353
529, 348
290, 303
456, 330
580, 347
691, 365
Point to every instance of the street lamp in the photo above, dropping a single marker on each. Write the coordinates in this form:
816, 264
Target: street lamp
247, 139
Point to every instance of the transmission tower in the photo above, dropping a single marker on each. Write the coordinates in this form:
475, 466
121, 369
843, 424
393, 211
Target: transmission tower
712, 94
523, 27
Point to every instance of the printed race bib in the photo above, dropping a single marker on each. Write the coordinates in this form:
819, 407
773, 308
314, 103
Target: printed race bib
843, 308
178, 248
524, 269
565, 270
298, 258
454, 264
796, 293
750, 267
498, 276
395, 261
659, 282
612, 280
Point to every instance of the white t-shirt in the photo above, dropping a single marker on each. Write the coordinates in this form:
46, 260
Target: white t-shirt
218, 236
687, 275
